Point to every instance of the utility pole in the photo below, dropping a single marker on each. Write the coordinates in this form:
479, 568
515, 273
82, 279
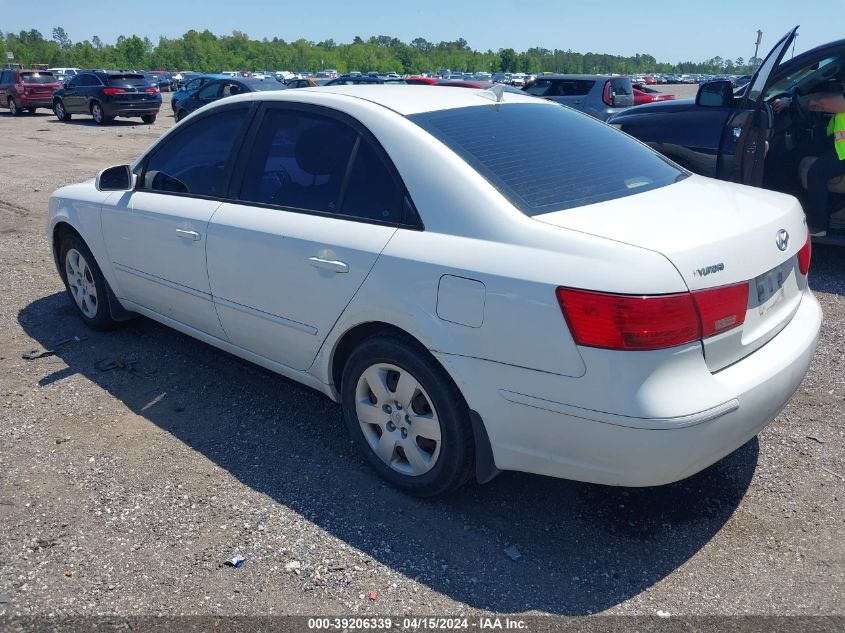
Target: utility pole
757, 44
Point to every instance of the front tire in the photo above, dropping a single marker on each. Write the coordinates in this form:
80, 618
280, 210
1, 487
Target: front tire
407, 416
85, 283
60, 112
181, 114
149, 119
14, 110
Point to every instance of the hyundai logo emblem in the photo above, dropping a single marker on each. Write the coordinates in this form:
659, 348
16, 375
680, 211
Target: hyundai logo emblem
782, 240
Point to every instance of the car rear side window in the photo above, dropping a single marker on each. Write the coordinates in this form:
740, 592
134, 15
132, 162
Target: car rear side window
545, 158
194, 160
371, 191
298, 160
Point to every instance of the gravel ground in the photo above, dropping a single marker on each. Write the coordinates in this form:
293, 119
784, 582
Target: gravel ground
124, 491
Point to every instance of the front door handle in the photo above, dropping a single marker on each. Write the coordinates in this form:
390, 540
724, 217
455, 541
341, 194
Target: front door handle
329, 264
188, 235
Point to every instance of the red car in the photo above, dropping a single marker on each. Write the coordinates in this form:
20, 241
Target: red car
650, 80
643, 94
421, 81
478, 85
27, 89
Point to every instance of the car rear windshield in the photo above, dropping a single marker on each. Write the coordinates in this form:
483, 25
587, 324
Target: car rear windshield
126, 81
38, 78
545, 157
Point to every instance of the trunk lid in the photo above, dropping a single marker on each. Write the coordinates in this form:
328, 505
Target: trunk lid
715, 234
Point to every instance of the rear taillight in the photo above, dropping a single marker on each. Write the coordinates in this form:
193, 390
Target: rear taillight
649, 322
605, 95
153, 89
722, 308
804, 256
112, 91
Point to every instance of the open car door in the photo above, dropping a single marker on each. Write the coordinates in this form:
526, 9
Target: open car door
746, 135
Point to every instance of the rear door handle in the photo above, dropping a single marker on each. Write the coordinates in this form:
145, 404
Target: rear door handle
188, 235
329, 264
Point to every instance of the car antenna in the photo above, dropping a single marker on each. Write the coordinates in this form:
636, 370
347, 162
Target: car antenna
495, 93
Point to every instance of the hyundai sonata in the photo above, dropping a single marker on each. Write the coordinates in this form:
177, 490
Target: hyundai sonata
486, 281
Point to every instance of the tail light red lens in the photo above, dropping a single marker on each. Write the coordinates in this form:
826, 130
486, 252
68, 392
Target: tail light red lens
650, 322
629, 322
153, 89
608, 100
805, 255
112, 91
722, 308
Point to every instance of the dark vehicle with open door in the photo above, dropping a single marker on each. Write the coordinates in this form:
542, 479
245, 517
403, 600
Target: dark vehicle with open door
737, 135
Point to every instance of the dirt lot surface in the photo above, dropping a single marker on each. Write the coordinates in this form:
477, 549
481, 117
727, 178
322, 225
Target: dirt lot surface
124, 491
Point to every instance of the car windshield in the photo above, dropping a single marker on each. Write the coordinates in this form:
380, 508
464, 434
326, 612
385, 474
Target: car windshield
790, 81
546, 158
38, 78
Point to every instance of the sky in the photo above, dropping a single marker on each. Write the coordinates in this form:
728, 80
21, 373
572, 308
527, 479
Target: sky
670, 30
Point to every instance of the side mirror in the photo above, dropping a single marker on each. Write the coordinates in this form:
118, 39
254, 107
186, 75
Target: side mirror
114, 179
715, 94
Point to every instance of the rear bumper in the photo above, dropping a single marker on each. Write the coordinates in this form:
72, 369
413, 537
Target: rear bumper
532, 431
131, 109
38, 102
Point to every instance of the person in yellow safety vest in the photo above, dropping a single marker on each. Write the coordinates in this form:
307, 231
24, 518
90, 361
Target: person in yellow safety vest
830, 163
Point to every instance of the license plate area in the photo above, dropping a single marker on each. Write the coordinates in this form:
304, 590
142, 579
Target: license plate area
769, 289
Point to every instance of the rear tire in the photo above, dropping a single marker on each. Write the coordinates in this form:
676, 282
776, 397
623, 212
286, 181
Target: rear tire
60, 112
99, 114
14, 110
407, 416
149, 119
31, 110
85, 284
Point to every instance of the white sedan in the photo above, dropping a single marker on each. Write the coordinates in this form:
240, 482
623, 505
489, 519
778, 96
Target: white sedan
485, 281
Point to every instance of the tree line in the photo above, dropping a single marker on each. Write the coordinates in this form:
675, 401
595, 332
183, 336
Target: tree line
207, 52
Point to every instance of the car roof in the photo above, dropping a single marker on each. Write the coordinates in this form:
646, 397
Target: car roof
402, 99
592, 77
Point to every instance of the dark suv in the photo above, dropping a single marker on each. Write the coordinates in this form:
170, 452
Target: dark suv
598, 95
106, 95
26, 89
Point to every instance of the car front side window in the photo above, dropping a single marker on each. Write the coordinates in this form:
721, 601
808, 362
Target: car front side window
209, 92
298, 160
195, 160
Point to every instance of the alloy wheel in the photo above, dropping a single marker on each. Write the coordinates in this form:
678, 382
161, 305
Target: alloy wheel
80, 280
60, 110
398, 419
97, 113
